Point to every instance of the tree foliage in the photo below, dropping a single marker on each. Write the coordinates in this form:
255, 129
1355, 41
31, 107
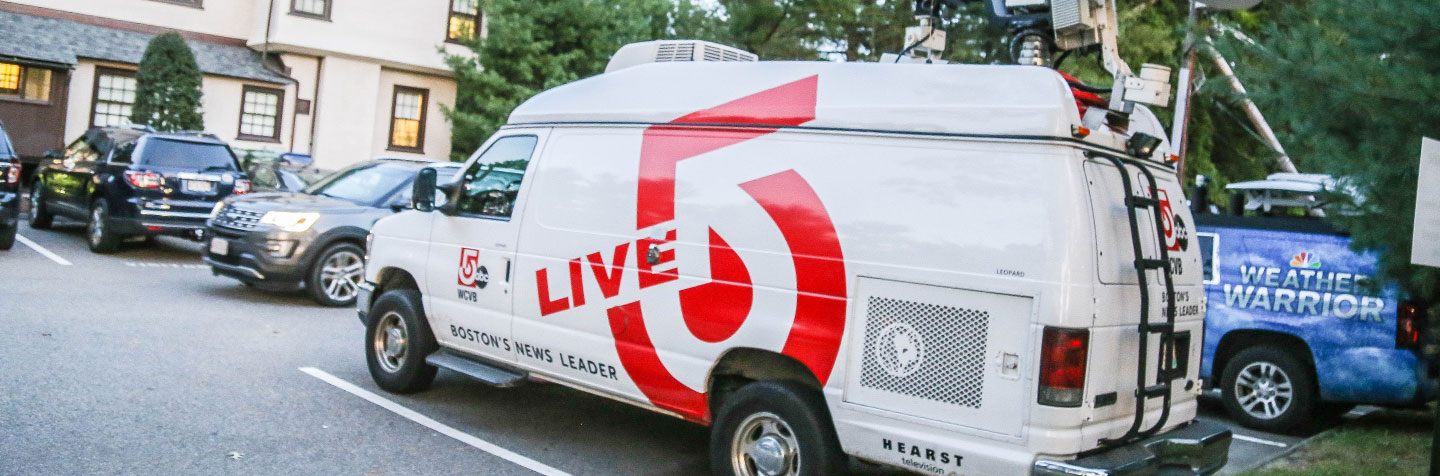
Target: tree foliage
167, 91
1351, 87
533, 46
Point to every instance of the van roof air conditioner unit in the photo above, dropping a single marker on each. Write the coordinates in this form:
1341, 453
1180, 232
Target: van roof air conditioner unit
659, 51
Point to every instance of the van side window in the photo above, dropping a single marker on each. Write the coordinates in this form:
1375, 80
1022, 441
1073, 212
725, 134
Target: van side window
1209, 251
490, 185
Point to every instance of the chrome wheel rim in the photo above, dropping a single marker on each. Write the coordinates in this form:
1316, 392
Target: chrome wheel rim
340, 275
764, 445
1264, 390
96, 229
390, 339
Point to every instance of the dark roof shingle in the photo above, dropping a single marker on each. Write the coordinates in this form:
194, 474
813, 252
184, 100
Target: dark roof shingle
58, 41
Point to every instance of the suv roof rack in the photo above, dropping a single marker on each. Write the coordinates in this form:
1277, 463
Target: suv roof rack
196, 133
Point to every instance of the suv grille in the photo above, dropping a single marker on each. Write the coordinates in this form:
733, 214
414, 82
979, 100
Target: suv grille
237, 219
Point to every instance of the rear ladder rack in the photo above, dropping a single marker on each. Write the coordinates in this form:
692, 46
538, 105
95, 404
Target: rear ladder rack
1168, 369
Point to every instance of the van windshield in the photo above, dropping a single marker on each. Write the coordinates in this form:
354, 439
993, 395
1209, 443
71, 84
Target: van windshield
192, 155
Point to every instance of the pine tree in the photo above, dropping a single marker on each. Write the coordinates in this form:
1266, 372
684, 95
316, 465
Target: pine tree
1351, 86
167, 91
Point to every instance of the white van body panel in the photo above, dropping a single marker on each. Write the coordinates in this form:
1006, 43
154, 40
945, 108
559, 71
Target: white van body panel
906, 248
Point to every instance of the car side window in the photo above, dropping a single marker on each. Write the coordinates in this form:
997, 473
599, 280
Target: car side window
489, 187
81, 151
122, 154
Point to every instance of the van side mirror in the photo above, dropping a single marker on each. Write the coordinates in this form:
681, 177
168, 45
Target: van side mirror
422, 196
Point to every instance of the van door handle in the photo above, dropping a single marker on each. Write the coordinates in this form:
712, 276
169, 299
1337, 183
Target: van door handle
652, 255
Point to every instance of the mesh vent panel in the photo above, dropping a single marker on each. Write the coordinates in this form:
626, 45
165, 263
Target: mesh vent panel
925, 351
675, 52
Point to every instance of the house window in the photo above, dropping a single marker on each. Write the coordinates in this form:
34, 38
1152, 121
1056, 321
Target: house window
24, 82
464, 20
260, 110
114, 97
311, 8
407, 119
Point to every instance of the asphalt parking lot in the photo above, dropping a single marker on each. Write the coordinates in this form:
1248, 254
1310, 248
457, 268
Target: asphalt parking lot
142, 362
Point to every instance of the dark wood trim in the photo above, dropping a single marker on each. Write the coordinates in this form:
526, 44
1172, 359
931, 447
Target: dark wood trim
10, 7
95, 90
279, 114
200, 4
424, 117
325, 17
449, 14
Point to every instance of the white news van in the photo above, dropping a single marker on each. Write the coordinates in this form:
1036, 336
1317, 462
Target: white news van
935, 268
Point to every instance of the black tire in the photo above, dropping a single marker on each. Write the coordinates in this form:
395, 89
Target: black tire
7, 237
40, 218
406, 372
1266, 369
347, 285
804, 431
99, 232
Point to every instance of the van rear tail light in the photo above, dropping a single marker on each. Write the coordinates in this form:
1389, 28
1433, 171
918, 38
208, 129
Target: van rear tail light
1409, 325
145, 179
12, 175
1062, 366
243, 186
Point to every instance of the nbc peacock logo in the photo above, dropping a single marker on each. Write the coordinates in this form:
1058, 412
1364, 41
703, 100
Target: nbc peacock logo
1305, 259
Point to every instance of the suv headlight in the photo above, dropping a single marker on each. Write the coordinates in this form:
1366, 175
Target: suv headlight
290, 221
215, 212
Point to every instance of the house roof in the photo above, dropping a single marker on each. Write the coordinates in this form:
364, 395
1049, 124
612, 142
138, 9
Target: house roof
64, 42
952, 99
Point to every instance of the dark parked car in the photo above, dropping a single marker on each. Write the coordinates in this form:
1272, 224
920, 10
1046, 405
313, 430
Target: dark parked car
315, 238
275, 171
132, 181
9, 191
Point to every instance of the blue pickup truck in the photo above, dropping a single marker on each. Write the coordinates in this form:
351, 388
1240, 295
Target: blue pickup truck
1296, 327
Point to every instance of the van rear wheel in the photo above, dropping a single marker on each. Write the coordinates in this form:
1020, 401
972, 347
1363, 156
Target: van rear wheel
1268, 389
775, 428
397, 340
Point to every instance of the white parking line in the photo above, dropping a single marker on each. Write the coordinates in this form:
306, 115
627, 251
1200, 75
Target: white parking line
1260, 441
41, 249
441, 428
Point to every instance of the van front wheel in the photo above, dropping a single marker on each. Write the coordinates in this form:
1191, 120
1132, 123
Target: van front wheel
397, 340
775, 428
1268, 389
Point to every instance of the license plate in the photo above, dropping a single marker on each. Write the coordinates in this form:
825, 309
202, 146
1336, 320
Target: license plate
199, 186
219, 246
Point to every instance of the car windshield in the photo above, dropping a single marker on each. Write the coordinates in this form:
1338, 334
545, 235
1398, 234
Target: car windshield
365, 183
5, 149
194, 155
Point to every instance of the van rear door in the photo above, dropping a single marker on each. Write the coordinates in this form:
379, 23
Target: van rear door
1115, 358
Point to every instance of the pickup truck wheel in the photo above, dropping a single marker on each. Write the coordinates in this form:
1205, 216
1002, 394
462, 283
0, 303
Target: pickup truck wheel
397, 339
102, 239
40, 219
335, 277
775, 428
7, 237
1268, 389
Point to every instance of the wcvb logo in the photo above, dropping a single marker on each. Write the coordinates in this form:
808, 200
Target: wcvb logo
714, 311
470, 274
1305, 259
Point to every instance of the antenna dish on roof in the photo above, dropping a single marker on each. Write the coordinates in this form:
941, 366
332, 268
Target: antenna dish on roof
660, 51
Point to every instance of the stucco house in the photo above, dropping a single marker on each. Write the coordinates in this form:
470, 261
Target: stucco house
342, 80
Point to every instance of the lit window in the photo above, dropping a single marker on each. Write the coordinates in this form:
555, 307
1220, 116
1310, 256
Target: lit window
260, 113
464, 19
9, 78
114, 97
407, 123
315, 8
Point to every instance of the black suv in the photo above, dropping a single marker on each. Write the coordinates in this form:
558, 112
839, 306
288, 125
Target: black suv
9, 191
135, 182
